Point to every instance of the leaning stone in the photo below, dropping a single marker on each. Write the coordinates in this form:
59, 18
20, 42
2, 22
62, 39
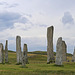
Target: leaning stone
18, 50
64, 51
6, 52
50, 54
1, 53
59, 52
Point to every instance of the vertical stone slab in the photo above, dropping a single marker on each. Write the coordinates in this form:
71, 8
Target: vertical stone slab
18, 49
26, 50
6, 52
50, 54
64, 51
24, 56
59, 52
73, 57
1, 53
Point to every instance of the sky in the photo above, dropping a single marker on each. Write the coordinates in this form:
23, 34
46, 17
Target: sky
30, 19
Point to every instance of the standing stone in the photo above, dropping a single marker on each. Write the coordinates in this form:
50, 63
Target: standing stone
1, 53
6, 52
26, 50
18, 50
59, 52
24, 56
73, 57
50, 54
64, 51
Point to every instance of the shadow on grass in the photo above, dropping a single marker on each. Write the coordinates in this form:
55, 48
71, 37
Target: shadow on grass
58, 65
7, 63
2, 63
23, 67
18, 63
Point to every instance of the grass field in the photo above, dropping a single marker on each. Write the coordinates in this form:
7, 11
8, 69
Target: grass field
37, 66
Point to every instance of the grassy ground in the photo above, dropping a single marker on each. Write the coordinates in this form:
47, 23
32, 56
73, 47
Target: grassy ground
37, 66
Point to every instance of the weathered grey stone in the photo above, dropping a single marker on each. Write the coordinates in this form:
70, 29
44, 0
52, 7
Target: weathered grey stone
26, 51
6, 52
73, 57
59, 52
1, 53
18, 49
64, 51
24, 56
50, 54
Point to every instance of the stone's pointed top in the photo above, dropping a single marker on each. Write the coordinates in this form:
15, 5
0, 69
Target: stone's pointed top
25, 44
17, 36
63, 41
60, 38
50, 27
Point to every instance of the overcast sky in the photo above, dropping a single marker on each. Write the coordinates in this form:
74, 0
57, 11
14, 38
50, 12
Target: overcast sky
30, 19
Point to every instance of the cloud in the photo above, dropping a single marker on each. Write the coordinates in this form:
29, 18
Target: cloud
4, 3
20, 21
7, 19
67, 18
7, 5
12, 5
35, 43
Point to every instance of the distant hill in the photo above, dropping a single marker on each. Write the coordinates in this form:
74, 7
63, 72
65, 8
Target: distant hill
11, 51
45, 53
41, 53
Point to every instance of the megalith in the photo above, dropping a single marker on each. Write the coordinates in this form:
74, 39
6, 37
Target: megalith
50, 54
24, 56
26, 51
6, 52
18, 50
64, 51
59, 52
1, 53
73, 57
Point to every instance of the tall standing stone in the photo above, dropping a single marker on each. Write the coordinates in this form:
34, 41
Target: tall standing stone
59, 52
24, 56
1, 53
6, 52
26, 50
73, 57
64, 51
18, 49
50, 54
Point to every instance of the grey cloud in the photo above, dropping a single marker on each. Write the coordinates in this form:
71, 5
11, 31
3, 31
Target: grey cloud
7, 5
43, 25
67, 18
7, 19
35, 46
4, 3
11, 6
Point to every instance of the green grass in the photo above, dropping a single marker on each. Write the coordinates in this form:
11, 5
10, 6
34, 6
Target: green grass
37, 66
